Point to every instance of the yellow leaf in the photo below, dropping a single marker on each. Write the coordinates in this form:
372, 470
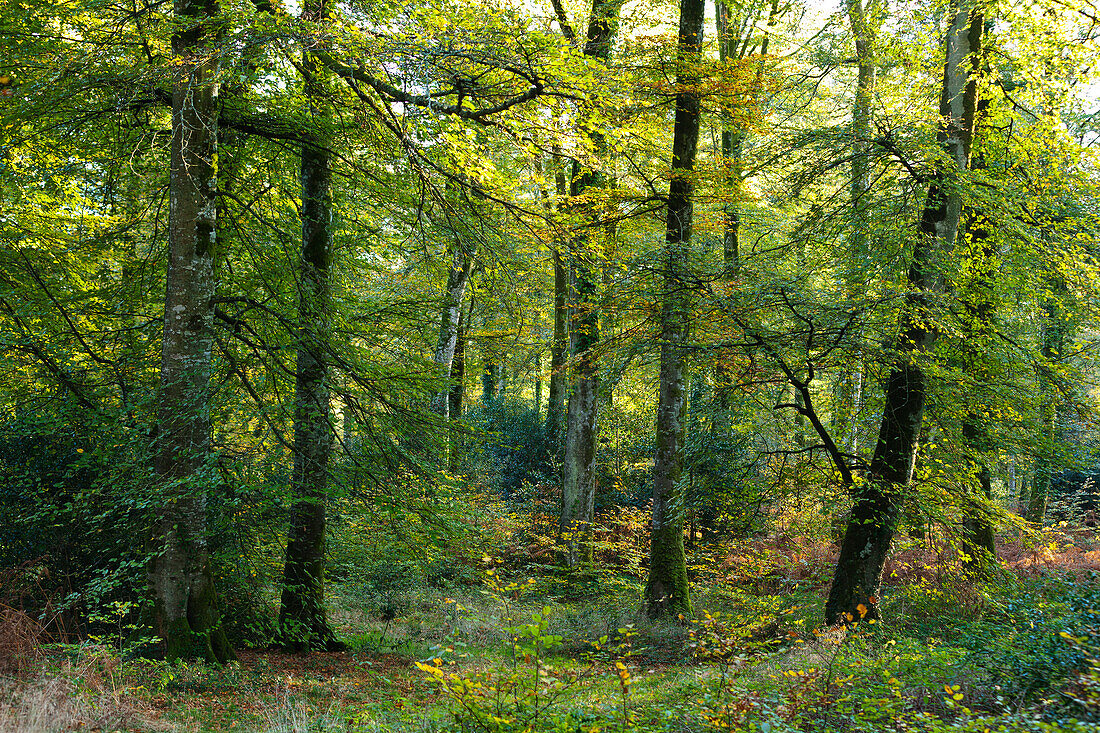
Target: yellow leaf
429, 669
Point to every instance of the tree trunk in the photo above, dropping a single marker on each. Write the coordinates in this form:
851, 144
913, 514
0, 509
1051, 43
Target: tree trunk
1053, 336
555, 407
877, 499
977, 530
492, 380
537, 406
579, 459
733, 47
729, 46
736, 40
458, 370
303, 623
976, 335
462, 264
1040, 482
458, 390
579, 480
864, 33
667, 591
185, 604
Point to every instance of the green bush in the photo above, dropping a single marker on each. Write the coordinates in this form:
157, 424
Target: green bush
1036, 636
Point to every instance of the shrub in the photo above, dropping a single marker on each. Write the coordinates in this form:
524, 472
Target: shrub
385, 588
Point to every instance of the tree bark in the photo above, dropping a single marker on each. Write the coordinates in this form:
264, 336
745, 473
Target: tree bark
555, 407
581, 421
461, 265
303, 622
864, 33
458, 370
458, 390
977, 530
185, 604
1053, 336
667, 591
976, 332
878, 499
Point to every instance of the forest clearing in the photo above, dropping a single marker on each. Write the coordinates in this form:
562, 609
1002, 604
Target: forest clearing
549, 365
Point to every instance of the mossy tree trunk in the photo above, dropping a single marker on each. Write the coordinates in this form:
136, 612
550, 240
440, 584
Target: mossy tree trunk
878, 499
185, 612
303, 622
667, 592
581, 419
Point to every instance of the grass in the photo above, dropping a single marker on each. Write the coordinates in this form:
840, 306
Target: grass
1016, 652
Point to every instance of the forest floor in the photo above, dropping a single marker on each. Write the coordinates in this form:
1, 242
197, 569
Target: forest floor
1017, 651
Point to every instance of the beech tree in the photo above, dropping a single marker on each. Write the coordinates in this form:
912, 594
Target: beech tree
185, 603
303, 623
854, 592
667, 589
582, 426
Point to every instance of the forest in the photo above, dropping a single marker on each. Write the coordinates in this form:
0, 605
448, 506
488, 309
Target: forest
523, 366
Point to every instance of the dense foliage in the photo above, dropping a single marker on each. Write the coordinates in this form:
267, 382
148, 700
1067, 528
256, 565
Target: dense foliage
636, 341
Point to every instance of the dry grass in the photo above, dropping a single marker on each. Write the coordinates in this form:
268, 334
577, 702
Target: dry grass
20, 641
294, 715
54, 704
33, 708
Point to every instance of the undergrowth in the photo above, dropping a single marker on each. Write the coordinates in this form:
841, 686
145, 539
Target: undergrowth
558, 651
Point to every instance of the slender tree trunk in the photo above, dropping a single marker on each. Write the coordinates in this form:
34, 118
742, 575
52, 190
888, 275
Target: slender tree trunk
878, 499
351, 427
458, 369
492, 381
1040, 481
977, 530
864, 32
667, 591
458, 391
555, 408
977, 297
303, 623
581, 428
728, 50
538, 385
736, 40
462, 264
185, 604
579, 480
1053, 336
579, 461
